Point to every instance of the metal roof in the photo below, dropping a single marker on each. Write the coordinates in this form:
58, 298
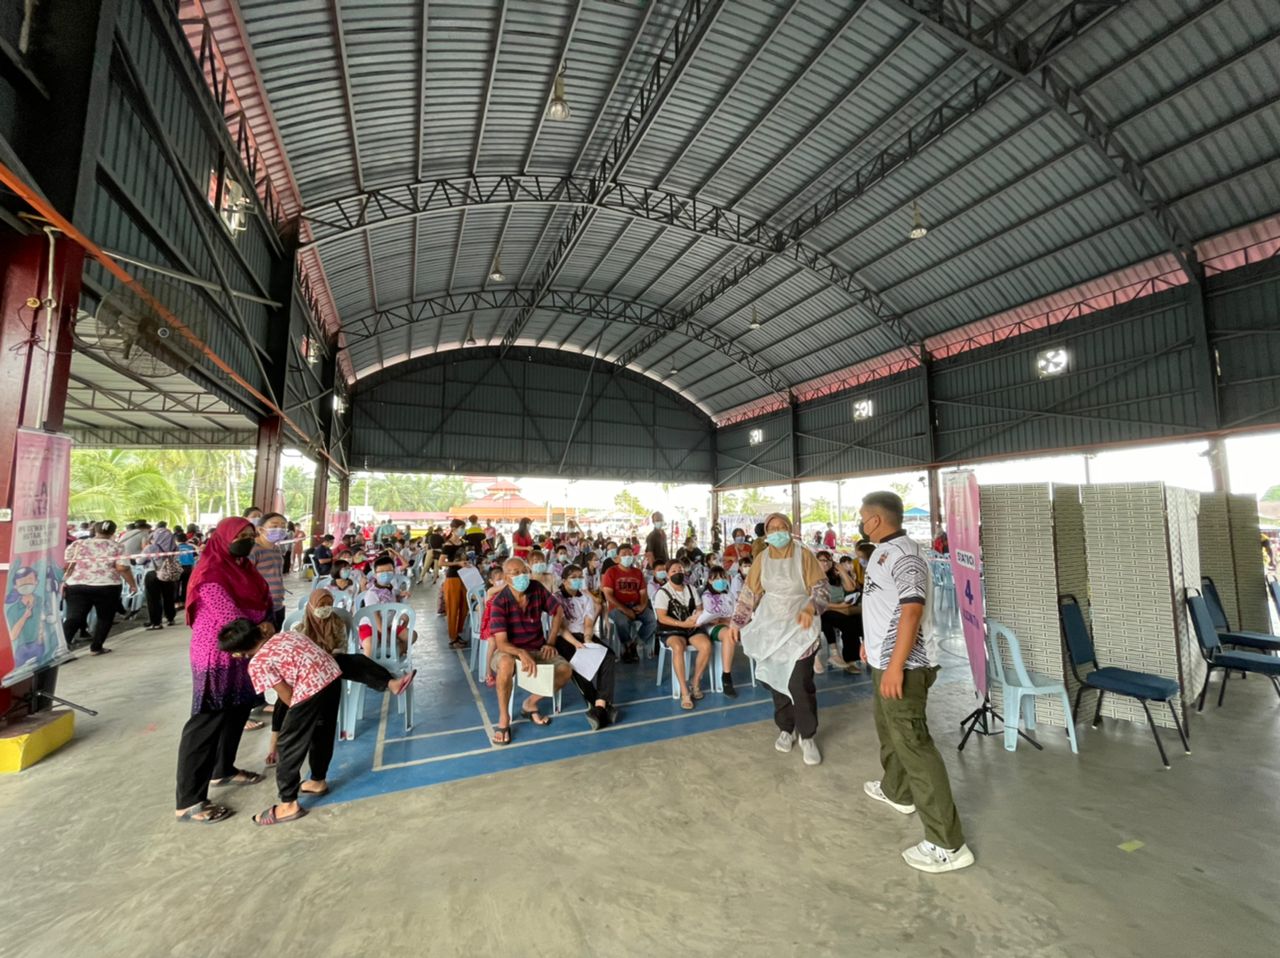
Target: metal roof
1047, 143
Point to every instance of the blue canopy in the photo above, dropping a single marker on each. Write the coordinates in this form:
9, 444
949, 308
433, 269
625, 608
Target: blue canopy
915, 512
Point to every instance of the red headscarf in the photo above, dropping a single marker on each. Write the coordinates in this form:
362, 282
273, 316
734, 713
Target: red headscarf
244, 583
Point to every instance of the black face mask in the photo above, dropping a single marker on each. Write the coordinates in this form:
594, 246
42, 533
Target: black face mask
862, 530
241, 548
677, 578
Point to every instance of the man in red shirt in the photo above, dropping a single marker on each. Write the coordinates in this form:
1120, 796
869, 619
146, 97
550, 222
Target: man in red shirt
627, 596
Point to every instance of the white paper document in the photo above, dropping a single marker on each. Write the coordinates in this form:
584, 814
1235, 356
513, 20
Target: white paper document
586, 660
542, 682
471, 578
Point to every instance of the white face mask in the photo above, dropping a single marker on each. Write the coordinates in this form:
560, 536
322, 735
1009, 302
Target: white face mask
323, 612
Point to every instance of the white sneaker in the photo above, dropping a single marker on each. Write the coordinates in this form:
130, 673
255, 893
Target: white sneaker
785, 742
809, 748
818, 667
875, 791
928, 857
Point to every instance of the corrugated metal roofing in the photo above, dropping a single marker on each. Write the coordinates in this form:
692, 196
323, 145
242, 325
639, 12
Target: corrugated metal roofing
780, 103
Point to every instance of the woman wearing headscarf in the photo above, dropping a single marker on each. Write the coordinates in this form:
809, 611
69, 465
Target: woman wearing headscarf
777, 619
161, 593
224, 587
329, 631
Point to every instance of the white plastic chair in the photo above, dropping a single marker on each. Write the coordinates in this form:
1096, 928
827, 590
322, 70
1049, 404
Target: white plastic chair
717, 666
385, 619
515, 686
690, 653
321, 582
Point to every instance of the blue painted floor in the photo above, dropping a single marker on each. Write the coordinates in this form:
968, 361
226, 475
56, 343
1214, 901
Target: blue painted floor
454, 714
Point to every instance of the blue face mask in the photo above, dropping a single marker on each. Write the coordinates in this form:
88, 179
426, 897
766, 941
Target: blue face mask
612, 554
739, 540
720, 585
384, 578
538, 569
575, 584
660, 576
626, 561
779, 539
520, 582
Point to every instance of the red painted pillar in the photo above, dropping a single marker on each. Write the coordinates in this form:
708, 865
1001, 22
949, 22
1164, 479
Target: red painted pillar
39, 293
266, 473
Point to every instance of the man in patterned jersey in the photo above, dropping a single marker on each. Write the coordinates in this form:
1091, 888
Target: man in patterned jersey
900, 648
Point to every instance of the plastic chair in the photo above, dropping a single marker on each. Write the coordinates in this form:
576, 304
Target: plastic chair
293, 618
402, 584
690, 653
321, 582
475, 612
511, 702
1216, 658
385, 651
1143, 686
1020, 694
717, 667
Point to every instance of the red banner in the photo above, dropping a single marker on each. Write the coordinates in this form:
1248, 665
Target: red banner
964, 519
32, 635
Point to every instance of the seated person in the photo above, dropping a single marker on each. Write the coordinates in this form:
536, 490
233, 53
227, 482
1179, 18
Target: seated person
495, 582
515, 624
382, 590
842, 615
342, 580
657, 581
575, 632
740, 570
610, 550
560, 561
323, 554
677, 607
542, 572
629, 608
717, 611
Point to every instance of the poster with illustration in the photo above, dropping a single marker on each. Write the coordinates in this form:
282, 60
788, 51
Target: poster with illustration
964, 531
32, 637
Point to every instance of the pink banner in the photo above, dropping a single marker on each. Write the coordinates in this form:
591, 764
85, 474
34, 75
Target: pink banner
964, 518
32, 637
338, 523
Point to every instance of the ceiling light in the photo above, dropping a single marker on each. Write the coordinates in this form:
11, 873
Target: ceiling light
558, 108
918, 229
672, 371
755, 319
495, 274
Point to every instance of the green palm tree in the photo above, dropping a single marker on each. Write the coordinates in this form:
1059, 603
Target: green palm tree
120, 484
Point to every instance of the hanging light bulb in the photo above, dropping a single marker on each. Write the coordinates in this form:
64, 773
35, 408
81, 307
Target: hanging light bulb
496, 275
918, 229
755, 318
558, 108
673, 370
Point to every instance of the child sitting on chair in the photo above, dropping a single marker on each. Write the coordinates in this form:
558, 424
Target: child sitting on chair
306, 678
382, 590
541, 571
496, 581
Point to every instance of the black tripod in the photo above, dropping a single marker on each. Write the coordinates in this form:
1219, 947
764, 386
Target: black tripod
981, 716
41, 690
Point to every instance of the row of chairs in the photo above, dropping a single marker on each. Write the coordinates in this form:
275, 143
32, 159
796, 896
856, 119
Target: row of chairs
1221, 647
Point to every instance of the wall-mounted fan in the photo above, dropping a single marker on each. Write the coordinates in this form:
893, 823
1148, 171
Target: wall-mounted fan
129, 331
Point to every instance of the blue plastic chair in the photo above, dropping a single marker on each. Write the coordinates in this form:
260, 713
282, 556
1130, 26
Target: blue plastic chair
1143, 686
1258, 641
1020, 693
386, 619
1216, 658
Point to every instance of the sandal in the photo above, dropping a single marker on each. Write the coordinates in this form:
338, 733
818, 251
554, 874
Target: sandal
696, 694
534, 716
253, 725
212, 813
302, 790
686, 703
502, 735
407, 680
100, 651
490, 680
249, 778
459, 644
268, 817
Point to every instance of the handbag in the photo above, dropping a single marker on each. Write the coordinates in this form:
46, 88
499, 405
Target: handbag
169, 570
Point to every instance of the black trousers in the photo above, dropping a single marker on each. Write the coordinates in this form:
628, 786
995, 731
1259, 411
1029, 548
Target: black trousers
207, 750
354, 668
850, 628
599, 688
800, 716
308, 733
180, 594
277, 617
160, 598
105, 599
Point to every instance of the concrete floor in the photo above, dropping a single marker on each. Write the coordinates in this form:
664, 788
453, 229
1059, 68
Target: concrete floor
710, 844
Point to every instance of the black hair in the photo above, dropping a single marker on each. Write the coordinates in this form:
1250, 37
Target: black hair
888, 502
759, 529
384, 559
104, 528
245, 514
272, 515
327, 539
162, 524
824, 552
179, 537
240, 635
865, 545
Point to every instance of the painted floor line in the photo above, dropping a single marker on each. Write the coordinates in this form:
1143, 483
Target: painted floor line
378, 767
460, 656
382, 731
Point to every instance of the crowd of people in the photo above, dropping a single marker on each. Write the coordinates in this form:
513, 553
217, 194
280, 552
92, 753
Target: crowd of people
545, 599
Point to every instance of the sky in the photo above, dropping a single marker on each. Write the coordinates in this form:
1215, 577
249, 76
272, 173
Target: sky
1253, 466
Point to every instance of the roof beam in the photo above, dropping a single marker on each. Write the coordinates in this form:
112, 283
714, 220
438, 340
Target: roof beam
691, 28
340, 36
113, 437
1024, 60
603, 308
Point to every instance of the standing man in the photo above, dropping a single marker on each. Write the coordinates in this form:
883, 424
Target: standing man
655, 547
387, 530
903, 654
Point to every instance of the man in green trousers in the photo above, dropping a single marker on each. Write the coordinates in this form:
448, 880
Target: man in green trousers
903, 655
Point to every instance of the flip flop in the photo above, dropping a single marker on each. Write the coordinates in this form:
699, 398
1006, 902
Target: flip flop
325, 791
253, 779
408, 681
216, 813
268, 817
534, 716
502, 736
253, 725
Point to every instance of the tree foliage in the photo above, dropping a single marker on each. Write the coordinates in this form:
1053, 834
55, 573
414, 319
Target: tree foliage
627, 504
121, 485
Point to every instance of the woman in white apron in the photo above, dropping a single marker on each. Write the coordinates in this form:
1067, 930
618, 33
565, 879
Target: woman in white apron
778, 620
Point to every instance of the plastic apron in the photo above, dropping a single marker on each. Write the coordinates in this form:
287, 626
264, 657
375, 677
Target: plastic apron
773, 637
